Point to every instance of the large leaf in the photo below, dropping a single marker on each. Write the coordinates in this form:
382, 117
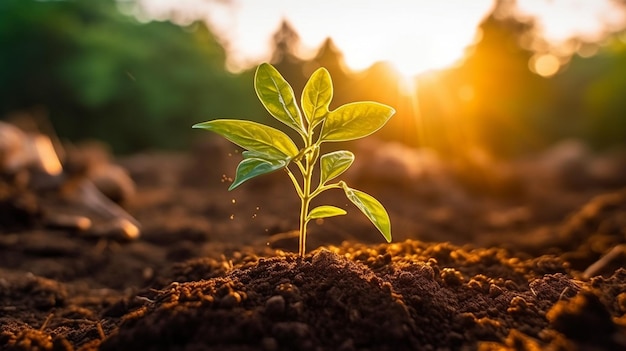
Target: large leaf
355, 120
334, 163
316, 97
277, 96
372, 209
253, 167
253, 136
262, 156
325, 211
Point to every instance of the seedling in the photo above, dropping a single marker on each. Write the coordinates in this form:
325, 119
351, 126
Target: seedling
269, 149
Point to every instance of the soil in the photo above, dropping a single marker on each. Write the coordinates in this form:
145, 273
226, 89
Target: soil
486, 255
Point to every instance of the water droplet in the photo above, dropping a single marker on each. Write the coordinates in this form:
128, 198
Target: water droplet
233, 200
232, 216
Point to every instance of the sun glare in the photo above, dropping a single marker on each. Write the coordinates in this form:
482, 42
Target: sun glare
545, 65
406, 79
415, 36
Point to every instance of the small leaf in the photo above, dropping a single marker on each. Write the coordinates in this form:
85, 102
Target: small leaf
253, 167
316, 97
334, 164
253, 136
372, 209
355, 120
277, 96
325, 212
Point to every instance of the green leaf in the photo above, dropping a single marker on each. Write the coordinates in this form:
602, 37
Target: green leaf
277, 96
355, 120
372, 209
316, 97
253, 136
334, 164
262, 156
325, 212
253, 167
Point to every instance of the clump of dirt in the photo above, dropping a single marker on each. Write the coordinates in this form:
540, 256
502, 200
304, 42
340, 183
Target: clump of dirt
487, 255
405, 296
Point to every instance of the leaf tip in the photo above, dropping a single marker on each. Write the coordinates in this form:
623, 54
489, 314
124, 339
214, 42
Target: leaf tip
322, 70
202, 125
387, 236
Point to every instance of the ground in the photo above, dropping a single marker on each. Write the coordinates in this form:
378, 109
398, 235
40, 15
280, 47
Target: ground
486, 254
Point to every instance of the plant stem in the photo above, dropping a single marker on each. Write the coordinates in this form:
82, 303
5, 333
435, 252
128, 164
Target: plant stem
295, 182
306, 199
311, 154
303, 223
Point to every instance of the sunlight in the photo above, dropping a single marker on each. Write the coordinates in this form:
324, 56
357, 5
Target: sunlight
545, 65
560, 20
415, 36
405, 78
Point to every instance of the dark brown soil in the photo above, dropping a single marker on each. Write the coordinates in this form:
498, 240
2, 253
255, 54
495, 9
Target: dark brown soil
486, 255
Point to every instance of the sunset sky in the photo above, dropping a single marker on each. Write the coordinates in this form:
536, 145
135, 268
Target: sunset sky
415, 36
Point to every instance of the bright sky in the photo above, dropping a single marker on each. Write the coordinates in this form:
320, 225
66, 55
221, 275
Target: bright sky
415, 36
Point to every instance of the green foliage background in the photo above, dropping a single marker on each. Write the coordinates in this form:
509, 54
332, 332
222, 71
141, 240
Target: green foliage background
104, 75
101, 74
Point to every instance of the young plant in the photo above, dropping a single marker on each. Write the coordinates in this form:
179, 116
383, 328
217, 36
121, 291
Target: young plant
269, 149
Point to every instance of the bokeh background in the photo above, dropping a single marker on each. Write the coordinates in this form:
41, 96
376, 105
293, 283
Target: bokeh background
138, 74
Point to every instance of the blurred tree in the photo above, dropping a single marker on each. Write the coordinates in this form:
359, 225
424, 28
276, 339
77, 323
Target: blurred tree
592, 93
137, 85
284, 56
494, 102
491, 102
502, 102
382, 83
102, 74
33, 42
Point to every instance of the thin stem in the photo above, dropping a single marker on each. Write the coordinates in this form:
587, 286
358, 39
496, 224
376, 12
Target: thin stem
295, 182
309, 162
322, 188
305, 137
300, 166
304, 210
310, 154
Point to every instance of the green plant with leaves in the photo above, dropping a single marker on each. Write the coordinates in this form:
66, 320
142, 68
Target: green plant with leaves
269, 149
